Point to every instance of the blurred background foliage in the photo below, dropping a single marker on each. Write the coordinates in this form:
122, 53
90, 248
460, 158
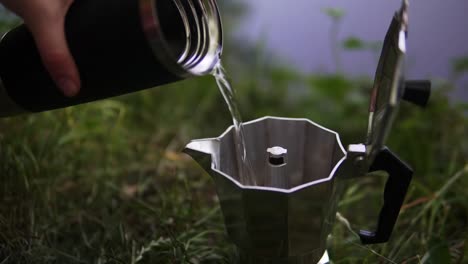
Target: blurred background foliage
106, 182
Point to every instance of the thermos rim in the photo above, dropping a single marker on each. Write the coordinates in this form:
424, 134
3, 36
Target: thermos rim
208, 57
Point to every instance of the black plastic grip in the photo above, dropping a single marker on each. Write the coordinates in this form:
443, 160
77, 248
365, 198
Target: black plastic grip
417, 92
399, 178
110, 49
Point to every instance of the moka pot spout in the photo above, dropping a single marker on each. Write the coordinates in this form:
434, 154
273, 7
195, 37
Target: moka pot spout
204, 151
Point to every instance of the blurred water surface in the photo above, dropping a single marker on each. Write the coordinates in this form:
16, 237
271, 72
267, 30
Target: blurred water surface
298, 32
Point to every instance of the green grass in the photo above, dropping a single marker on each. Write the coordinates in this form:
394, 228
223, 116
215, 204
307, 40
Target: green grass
101, 183
107, 183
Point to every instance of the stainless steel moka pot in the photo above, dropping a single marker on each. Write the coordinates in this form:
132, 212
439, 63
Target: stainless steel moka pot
300, 169
119, 46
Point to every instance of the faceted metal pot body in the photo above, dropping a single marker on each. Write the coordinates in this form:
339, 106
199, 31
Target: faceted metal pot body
283, 220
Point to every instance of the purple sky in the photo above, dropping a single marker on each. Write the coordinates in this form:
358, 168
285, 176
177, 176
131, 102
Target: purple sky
298, 32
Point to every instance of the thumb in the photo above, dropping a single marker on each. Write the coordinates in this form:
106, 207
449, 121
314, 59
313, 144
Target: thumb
50, 39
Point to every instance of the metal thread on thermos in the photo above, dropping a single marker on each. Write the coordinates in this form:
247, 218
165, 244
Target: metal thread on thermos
119, 46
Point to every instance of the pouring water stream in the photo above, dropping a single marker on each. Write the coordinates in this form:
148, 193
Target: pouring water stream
243, 163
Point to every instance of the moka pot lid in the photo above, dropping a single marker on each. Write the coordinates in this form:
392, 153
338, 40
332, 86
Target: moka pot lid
388, 84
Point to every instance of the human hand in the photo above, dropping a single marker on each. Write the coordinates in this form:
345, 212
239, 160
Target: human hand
46, 21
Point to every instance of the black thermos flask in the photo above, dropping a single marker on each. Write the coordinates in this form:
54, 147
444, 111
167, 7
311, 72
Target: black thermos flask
119, 46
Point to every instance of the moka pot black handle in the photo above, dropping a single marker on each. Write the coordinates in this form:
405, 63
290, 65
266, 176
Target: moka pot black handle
109, 45
396, 187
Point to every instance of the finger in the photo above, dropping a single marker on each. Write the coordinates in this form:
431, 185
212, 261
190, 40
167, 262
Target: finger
50, 39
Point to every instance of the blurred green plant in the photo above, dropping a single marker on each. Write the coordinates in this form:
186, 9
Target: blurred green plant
7, 20
336, 16
354, 43
460, 66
